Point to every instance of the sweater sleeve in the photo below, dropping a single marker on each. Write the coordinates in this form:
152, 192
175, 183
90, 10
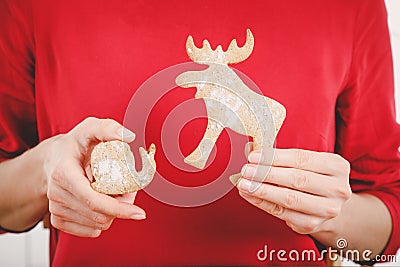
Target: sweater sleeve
367, 133
18, 130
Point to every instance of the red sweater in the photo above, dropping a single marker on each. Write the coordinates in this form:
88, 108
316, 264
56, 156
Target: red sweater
328, 62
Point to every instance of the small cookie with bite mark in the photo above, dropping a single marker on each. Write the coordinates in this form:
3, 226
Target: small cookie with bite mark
113, 168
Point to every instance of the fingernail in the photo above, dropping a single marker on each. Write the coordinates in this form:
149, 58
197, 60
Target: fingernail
248, 171
139, 216
244, 185
255, 157
248, 148
126, 134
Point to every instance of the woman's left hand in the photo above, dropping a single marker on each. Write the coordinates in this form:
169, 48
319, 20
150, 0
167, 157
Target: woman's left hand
303, 188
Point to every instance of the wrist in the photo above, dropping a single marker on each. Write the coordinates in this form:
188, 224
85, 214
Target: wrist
39, 158
329, 232
35, 158
24, 189
332, 230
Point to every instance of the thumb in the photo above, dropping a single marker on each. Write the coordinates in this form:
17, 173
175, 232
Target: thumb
94, 129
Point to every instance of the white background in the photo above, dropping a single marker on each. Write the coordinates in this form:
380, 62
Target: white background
32, 249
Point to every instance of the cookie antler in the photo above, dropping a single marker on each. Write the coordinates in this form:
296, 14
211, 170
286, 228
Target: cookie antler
234, 54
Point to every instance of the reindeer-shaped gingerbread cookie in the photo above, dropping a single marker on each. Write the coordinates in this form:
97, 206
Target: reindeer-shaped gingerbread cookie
229, 102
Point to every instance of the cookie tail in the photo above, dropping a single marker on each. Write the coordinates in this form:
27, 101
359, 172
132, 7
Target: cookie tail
145, 176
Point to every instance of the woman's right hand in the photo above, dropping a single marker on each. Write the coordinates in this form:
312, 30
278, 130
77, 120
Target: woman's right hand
74, 206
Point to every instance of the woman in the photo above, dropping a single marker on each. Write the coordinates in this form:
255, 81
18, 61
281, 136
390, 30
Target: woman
328, 62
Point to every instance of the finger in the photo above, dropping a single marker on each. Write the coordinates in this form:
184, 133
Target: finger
291, 199
297, 179
75, 182
59, 196
101, 130
320, 162
68, 214
298, 221
74, 228
270, 207
81, 189
248, 148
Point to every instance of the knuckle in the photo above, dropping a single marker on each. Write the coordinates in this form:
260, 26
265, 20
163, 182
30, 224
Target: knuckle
315, 223
50, 194
91, 204
306, 226
291, 200
346, 167
277, 210
89, 120
343, 192
310, 225
53, 195
258, 202
57, 222
106, 226
98, 218
100, 226
59, 178
80, 131
57, 175
120, 214
342, 164
299, 179
105, 123
259, 190
53, 208
302, 158
64, 143
333, 211
106, 126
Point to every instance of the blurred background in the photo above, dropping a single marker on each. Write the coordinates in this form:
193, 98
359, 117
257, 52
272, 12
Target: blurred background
32, 249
